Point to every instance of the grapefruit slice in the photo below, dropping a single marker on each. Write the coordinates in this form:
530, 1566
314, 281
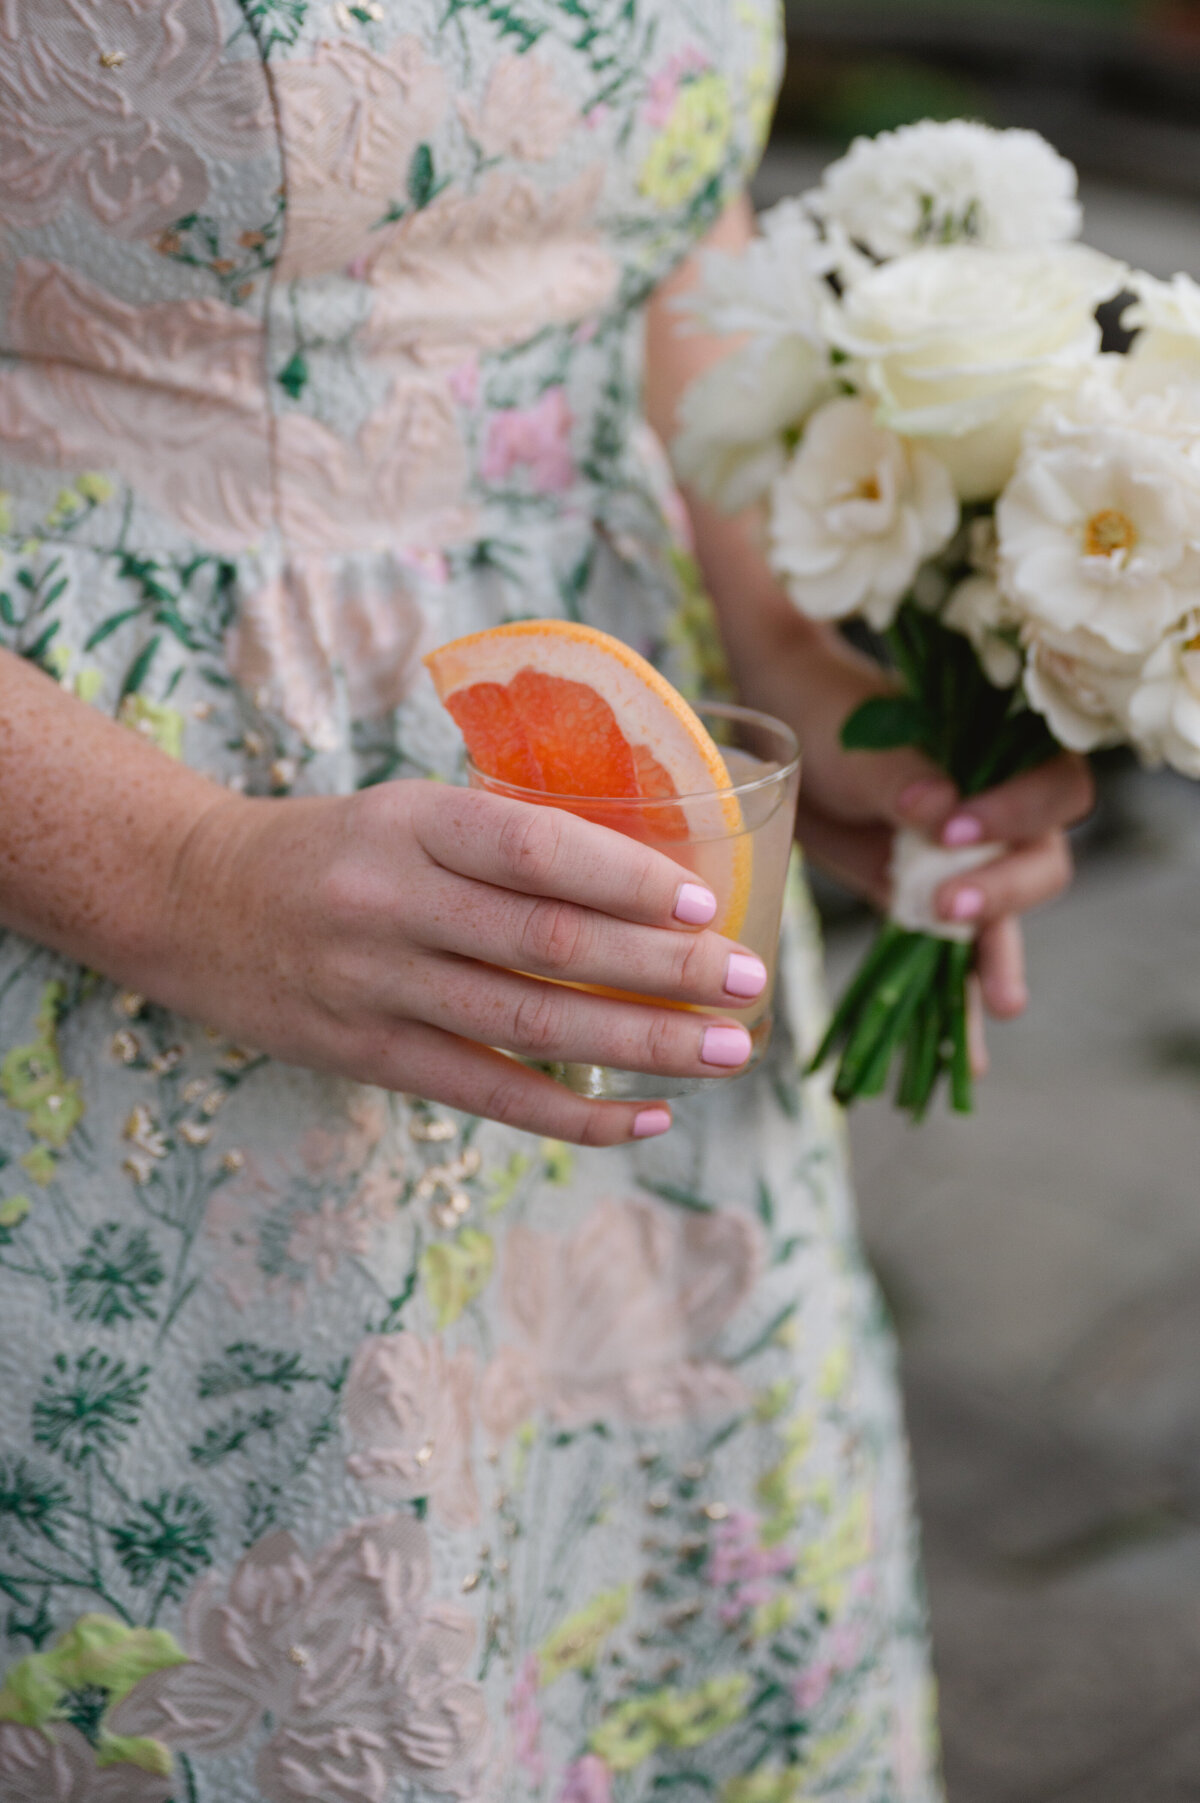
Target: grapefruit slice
575, 715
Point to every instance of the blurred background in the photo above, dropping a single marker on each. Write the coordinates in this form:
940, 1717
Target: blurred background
1043, 1262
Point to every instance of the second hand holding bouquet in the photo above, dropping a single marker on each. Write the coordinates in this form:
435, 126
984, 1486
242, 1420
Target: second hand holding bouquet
921, 399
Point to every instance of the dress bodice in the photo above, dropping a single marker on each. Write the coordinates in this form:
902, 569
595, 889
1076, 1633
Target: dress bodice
349, 274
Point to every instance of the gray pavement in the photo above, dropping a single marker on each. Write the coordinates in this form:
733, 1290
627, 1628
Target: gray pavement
1043, 1266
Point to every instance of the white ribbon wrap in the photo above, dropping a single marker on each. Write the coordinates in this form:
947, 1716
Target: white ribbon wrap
918, 870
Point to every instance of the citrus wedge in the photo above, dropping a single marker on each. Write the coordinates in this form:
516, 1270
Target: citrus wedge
575, 715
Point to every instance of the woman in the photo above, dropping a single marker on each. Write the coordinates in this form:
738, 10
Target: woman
358, 1446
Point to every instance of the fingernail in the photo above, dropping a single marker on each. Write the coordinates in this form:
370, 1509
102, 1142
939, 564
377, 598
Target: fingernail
746, 976
910, 800
725, 1046
964, 829
651, 1122
695, 906
968, 904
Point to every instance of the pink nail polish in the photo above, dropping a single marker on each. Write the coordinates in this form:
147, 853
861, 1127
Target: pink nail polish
968, 904
746, 976
964, 829
725, 1046
695, 906
651, 1122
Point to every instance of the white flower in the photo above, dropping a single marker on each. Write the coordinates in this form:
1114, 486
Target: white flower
1081, 686
1167, 318
963, 346
934, 184
774, 287
1164, 709
856, 514
1099, 529
734, 419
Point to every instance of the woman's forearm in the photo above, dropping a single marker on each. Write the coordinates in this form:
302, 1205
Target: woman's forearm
93, 820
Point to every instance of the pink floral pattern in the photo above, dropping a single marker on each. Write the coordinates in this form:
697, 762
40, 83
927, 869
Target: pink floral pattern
535, 440
523, 113
112, 105
56, 1765
355, 1664
410, 1407
617, 1318
351, 121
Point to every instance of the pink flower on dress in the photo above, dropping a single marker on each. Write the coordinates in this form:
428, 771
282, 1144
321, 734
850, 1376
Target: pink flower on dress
108, 105
524, 114
536, 439
587, 1780
463, 382
740, 1563
663, 89
484, 270
56, 1765
356, 1667
809, 1689
408, 1406
351, 121
527, 1721
616, 1319
322, 1237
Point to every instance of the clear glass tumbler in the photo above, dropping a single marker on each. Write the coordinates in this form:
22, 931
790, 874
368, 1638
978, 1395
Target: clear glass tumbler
737, 841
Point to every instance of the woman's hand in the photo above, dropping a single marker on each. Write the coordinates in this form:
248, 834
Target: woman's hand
852, 803
378, 937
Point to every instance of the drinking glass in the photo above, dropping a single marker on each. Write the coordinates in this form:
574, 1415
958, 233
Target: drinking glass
737, 839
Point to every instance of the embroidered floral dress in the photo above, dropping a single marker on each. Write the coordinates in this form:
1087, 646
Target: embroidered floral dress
352, 1451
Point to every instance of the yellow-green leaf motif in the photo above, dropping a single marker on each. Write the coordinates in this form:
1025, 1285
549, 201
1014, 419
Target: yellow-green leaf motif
576, 1644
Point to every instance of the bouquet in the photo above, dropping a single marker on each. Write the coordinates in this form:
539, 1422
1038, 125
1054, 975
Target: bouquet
920, 401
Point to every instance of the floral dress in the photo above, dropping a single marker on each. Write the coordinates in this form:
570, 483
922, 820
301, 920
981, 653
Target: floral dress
353, 1451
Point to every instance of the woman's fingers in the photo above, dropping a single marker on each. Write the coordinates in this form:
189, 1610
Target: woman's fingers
552, 1024
547, 938
549, 852
421, 1059
1022, 879
1057, 794
1000, 964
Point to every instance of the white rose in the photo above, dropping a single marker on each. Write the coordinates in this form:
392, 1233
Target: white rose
855, 515
735, 418
1164, 709
1099, 529
1167, 318
1081, 686
961, 347
938, 184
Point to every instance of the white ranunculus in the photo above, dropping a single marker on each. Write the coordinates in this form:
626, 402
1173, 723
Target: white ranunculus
962, 346
774, 288
1164, 709
937, 184
735, 418
1081, 686
1167, 318
855, 515
1099, 529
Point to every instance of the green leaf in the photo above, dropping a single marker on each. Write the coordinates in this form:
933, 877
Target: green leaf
293, 377
682, 1198
139, 669
421, 182
107, 627
886, 722
7, 611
